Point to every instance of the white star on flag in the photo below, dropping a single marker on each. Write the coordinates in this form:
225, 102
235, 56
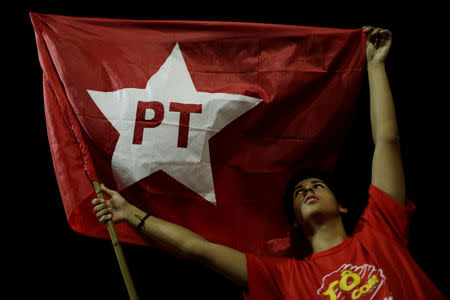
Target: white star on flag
152, 124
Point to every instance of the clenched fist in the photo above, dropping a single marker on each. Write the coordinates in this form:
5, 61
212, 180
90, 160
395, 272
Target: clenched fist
378, 43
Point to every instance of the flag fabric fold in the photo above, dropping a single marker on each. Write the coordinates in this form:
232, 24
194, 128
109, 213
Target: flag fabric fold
200, 123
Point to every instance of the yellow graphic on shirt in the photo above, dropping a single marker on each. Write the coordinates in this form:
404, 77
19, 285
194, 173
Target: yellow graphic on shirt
352, 282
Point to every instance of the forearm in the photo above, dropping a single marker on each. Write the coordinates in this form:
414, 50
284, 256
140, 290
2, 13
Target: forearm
175, 237
382, 110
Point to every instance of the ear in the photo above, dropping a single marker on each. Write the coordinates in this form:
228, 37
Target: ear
342, 209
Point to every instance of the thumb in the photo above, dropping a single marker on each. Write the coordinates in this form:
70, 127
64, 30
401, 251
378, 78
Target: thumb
106, 190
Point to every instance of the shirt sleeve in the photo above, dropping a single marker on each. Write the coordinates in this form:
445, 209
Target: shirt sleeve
387, 216
262, 278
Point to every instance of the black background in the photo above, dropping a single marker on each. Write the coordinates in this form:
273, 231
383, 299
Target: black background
45, 258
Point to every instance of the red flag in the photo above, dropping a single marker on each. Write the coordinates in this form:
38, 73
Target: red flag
200, 123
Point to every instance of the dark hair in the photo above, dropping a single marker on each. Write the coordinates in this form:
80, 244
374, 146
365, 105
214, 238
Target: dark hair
300, 175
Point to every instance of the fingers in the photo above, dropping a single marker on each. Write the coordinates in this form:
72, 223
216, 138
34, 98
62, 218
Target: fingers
377, 32
379, 37
368, 29
103, 209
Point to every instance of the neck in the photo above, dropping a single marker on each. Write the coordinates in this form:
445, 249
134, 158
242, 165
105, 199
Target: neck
326, 235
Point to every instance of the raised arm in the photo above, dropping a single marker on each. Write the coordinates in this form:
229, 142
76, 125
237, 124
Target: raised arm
226, 261
387, 168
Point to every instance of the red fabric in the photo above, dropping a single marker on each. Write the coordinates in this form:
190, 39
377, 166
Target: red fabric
378, 247
308, 79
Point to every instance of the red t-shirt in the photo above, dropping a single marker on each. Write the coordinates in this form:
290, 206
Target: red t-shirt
373, 263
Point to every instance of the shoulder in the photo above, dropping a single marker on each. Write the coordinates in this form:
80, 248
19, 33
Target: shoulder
383, 200
271, 264
385, 215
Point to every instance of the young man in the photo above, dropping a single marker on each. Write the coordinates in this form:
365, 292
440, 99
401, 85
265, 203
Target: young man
373, 263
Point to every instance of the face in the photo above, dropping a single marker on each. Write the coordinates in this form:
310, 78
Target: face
313, 199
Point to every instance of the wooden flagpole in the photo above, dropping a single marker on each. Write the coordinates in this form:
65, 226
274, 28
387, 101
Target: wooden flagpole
118, 249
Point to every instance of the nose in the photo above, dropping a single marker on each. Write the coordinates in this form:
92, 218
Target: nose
308, 189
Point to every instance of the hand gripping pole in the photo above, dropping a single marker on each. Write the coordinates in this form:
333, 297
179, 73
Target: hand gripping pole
118, 249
